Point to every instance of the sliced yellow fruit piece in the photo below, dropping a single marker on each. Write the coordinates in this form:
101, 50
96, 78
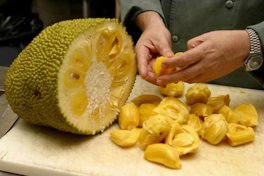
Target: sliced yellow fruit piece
163, 154
239, 134
248, 113
173, 89
125, 138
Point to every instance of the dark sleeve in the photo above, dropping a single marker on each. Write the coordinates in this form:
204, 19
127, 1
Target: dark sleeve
131, 8
259, 74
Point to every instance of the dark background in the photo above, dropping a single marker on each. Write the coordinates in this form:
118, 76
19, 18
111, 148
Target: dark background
22, 20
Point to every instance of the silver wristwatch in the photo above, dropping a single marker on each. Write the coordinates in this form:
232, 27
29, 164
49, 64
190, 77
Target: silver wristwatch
255, 57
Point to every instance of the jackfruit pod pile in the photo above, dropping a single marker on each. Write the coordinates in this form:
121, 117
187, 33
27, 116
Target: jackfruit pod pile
74, 76
168, 128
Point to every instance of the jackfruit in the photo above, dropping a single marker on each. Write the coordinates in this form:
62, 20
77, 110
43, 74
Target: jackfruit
239, 134
125, 138
218, 102
173, 108
158, 69
214, 129
200, 109
230, 115
173, 89
195, 122
145, 112
74, 76
154, 130
184, 138
248, 114
197, 93
163, 154
129, 116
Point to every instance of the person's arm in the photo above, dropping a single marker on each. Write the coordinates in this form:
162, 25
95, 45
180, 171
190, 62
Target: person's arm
131, 8
144, 20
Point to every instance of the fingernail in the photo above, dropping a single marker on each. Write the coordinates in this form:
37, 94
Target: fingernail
169, 54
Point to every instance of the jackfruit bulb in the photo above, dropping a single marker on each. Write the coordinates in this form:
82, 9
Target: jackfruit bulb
74, 76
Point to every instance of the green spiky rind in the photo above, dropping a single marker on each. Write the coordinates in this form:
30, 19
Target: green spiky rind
30, 92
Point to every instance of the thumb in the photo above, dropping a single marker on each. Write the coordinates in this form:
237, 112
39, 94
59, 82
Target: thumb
164, 49
194, 42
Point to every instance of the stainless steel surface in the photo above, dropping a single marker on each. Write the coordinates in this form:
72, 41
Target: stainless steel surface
7, 116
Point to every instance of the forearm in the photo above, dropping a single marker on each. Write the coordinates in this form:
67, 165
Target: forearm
149, 19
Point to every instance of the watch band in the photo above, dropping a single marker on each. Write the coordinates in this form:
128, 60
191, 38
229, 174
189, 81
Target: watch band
255, 45
255, 57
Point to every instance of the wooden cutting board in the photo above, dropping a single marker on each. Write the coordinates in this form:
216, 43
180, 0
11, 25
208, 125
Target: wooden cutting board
33, 150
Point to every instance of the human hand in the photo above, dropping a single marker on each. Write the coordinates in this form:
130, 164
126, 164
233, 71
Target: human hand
154, 41
209, 56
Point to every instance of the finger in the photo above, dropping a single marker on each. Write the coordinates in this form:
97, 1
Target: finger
183, 75
164, 49
142, 55
188, 58
194, 42
197, 79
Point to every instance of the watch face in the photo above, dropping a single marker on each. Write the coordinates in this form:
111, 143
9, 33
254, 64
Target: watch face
254, 62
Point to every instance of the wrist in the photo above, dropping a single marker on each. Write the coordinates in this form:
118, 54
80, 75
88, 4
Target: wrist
149, 19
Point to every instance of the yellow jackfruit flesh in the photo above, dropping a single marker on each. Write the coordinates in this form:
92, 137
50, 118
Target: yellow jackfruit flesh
163, 154
231, 116
239, 134
74, 76
195, 122
158, 69
145, 112
248, 114
184, 138
214, 128
218, 102
129, 116
200, 109
173, 89
125, 138
174, 108
198, 93
154, 130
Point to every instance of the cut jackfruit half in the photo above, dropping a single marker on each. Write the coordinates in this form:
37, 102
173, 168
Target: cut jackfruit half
87, 68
